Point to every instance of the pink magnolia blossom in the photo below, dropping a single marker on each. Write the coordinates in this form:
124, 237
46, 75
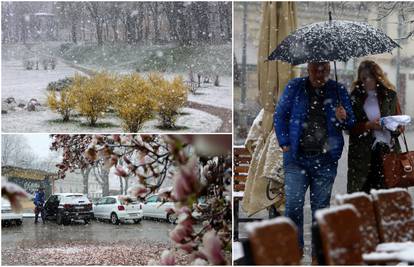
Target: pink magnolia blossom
116, 137
188, 247
199, 262
119, 171
186, 181
14, 193
138, 190
167, 258
212, 248
180, 232
91, 154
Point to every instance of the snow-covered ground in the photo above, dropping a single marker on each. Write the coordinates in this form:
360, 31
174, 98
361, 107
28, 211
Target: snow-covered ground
23, 121
24, 84
220, 96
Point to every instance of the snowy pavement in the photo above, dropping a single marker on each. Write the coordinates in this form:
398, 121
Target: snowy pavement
79, 244
22, 121
25, 84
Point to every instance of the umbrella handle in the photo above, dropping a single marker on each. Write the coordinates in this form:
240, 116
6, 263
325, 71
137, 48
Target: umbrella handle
337, 88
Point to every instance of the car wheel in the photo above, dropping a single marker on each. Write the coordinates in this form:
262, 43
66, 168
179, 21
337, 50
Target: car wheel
86, 221
19, 222
59, 219
172, 218
137, 221
114, 218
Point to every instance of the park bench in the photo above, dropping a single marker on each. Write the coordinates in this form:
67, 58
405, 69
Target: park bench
394, 215
241, 160
364, 205
272, 242
381, 230
337, 237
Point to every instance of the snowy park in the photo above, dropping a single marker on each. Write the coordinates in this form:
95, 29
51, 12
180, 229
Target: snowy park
48, 50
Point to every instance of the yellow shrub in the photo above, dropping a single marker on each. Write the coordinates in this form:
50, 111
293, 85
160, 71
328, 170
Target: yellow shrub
134, 102
95, 96
64, 101
170, 95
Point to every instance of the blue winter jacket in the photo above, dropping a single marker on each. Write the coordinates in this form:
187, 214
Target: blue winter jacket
39, 198
291, 113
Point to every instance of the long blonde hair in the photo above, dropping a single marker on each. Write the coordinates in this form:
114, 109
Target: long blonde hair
376, 71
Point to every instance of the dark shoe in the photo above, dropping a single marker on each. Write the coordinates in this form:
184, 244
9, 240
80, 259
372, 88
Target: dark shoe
35, 222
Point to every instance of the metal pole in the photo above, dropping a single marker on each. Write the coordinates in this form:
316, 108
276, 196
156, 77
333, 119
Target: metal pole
398, 58
244, 61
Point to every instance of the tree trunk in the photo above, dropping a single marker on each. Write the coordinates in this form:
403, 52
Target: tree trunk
73, 31
85, 176
121, 185
115, 30
99, 32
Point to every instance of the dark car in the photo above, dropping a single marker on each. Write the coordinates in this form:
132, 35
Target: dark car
65, 207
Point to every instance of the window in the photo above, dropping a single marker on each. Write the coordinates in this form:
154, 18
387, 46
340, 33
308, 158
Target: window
152, 199
110, 200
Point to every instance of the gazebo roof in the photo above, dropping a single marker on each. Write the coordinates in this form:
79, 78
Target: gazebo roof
19, 172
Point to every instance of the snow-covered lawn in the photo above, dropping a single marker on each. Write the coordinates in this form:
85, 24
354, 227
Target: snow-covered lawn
25, 84
218, 96
22, 121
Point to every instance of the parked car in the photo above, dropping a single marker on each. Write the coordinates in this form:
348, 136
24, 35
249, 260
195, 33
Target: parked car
118, 209
65, 207
7, 214
155, 208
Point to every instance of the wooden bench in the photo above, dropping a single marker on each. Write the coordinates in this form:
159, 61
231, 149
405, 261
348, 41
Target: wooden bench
394, 215
241, 159
272, 242
385, 216
336, 236
364, 205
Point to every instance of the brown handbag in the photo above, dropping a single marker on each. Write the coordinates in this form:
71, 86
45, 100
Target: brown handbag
399, 168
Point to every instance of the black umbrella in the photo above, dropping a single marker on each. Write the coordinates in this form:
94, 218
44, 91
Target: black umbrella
332, 40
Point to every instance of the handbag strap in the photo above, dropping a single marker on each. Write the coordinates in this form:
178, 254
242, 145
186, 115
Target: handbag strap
405, 142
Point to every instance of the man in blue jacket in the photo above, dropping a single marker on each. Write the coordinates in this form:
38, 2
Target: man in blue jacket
39, 201
309, 120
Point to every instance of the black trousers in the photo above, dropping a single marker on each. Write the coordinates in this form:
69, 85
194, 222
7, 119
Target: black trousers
39, 209
375, 179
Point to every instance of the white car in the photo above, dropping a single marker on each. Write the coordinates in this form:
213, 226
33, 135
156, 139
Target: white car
118, 209
155, 208
7, 214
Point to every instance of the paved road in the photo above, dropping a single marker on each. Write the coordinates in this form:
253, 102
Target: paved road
148, 238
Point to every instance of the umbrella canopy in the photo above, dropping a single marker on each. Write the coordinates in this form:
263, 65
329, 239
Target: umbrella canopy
333, 40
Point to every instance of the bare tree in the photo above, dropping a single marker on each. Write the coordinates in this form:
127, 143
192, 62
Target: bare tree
102, 177
96, 10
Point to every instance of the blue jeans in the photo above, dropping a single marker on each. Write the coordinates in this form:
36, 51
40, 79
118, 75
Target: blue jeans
317, 172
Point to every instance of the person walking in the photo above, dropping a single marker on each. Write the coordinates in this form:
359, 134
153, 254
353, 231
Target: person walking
373, 97
308, 123
39, 201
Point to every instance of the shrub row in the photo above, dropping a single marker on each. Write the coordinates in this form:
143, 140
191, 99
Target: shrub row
133, 98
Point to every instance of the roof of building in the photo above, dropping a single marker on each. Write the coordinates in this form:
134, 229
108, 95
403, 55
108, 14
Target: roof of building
19, 172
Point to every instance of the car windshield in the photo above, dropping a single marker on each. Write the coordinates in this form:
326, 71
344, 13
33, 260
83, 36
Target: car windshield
126, 201
73, 196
